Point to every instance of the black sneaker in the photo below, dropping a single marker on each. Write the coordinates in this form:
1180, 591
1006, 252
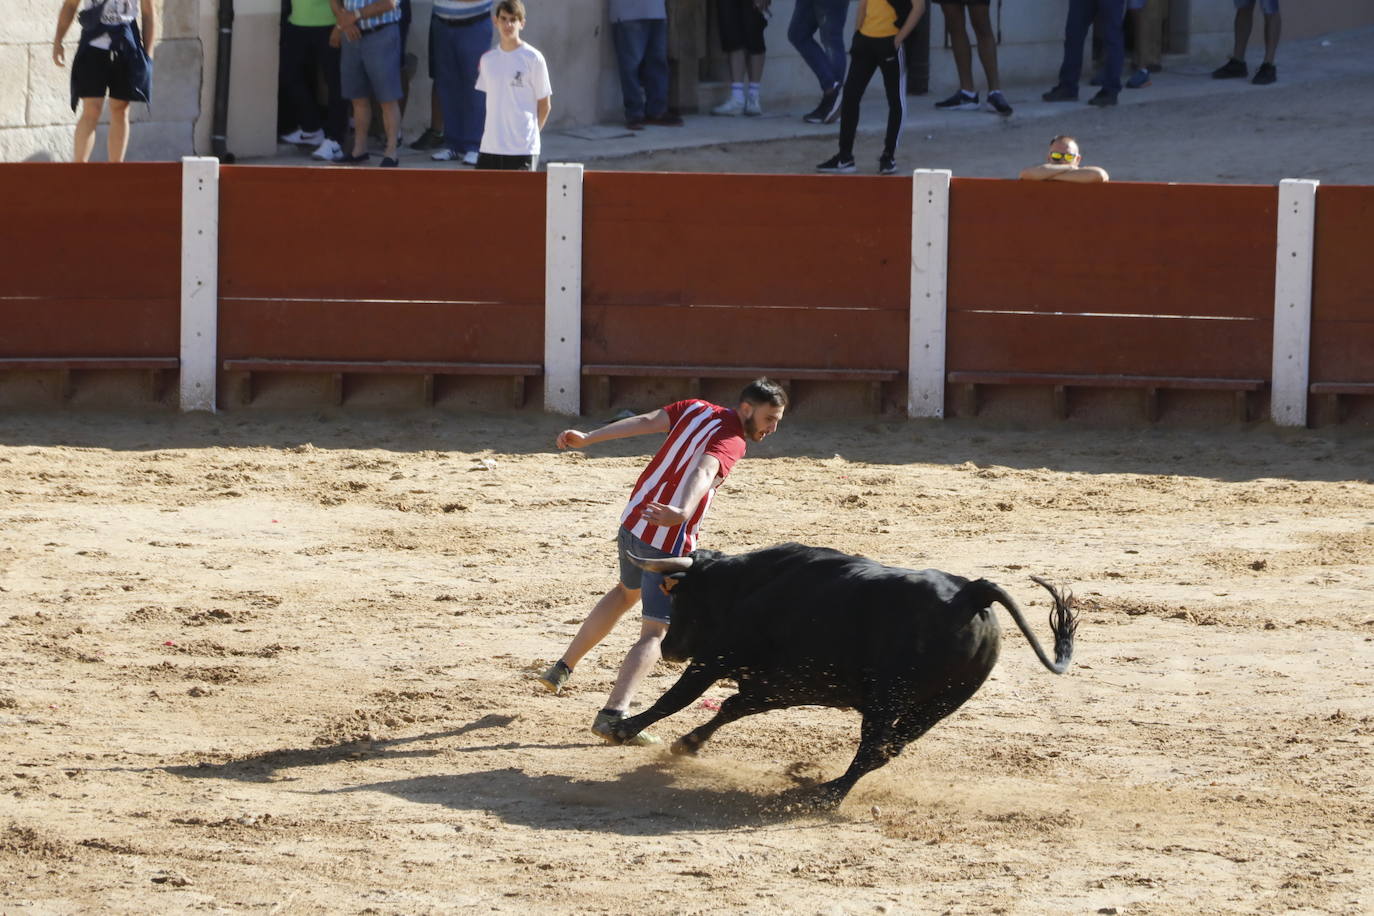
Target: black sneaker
829, 106
960, 101
836, 164
886, 164
1061, 93
430, 139
1103, 99
1266, 74
1231, 70
998, 102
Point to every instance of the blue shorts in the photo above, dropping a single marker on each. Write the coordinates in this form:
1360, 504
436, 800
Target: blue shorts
371, 66
1268, 7
657, 606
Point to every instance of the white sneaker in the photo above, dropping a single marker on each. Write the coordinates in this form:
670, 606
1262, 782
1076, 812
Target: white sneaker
328, 151
732, 107
752, 108
302, 138
470, 157
444, 154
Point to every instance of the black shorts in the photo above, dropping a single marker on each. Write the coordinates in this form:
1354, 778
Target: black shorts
97, 72
503, 163
964, 2
741, 26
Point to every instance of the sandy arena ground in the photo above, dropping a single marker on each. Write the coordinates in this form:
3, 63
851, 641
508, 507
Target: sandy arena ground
281, 662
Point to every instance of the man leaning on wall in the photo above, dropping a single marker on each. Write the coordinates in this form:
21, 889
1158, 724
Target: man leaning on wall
115, 58
1064, 162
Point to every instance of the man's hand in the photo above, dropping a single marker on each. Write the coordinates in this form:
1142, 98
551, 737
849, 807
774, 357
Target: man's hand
571, 438
347, 19
661, 514
335, 37
59, 54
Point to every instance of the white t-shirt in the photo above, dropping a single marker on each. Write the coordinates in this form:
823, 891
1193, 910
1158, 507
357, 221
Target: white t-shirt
514, 82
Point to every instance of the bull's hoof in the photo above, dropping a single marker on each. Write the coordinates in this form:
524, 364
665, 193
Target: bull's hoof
807, 800
685, 747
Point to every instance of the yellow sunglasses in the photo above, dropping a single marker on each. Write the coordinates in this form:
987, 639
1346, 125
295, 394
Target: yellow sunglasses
1057, 156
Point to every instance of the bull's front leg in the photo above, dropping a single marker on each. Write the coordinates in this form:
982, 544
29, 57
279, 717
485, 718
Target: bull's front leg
693, 683
747, 702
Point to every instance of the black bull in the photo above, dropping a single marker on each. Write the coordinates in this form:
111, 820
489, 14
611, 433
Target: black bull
796, 625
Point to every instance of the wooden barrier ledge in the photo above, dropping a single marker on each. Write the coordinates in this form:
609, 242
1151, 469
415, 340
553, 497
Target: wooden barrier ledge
604, 372
338, 368
153, 366
1150, 384
1333, 391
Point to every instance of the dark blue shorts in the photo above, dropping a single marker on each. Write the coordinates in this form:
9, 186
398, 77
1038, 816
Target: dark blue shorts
98, 72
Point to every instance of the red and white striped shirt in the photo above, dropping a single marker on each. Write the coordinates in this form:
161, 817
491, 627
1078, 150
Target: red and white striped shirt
696, 428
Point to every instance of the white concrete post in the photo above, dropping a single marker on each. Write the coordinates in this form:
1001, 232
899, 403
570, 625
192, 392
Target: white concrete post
1293, 301
563, 289
199, 281
929, 293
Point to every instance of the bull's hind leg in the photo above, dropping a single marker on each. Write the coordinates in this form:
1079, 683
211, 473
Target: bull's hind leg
738, 706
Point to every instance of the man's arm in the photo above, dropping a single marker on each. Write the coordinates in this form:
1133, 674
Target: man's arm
1049, 171
543, 106
697, 483
149, 26
655, 421
918, 8
64, 22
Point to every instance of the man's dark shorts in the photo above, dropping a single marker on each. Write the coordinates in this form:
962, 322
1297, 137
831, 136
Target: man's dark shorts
97, 72
657, 606
964, 2
741, 26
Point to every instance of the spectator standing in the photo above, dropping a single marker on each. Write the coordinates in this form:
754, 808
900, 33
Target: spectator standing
515, 79
640, 31
741, 38
1111, 14
1064, 163
882, 27
459, 34
370, 65
667, 504
113, 57
310, 45
966, 99
823, 19
1235, 68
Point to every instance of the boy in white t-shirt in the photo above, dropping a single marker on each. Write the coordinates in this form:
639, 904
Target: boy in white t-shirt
516, 81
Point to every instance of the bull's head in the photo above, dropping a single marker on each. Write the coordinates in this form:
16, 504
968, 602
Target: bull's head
679, 644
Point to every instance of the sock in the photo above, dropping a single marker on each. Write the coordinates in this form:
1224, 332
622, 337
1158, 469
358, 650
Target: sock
754, 90
968, 95
737, 92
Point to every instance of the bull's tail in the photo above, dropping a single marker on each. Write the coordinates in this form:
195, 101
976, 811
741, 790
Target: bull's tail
1063, 621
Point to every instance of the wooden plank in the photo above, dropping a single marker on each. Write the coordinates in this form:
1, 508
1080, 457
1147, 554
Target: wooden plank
1106, 381
1342, 351
1121, 248
22, 364
1364, 388
1342, 283
381, 367
741, 372
815, 338
424, 237
63, 217
368, 331
89, 327
1075, 344
746, 240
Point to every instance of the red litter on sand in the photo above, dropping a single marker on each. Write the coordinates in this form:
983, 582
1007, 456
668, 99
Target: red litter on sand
708, 703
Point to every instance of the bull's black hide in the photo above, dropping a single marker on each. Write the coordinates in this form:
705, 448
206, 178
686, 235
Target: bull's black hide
800, 625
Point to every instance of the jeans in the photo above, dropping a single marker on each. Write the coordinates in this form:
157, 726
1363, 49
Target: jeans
826, 57
457, 50
641, 53
1081, 15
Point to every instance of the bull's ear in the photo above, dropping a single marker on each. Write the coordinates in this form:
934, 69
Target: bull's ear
670, 582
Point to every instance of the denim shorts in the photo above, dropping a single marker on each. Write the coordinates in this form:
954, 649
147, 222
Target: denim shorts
1268, 7
371, 66
657, 606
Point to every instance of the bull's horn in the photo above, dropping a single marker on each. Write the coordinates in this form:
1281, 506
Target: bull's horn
664, 566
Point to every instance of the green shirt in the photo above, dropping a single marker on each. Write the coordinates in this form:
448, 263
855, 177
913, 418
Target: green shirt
310, 13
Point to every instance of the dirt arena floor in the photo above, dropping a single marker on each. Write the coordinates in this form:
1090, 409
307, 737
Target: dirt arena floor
282, 662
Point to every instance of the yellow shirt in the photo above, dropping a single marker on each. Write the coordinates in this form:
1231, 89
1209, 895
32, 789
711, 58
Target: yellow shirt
880, 20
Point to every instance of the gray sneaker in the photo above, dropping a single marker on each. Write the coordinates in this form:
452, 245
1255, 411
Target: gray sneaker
603, 727
554, 678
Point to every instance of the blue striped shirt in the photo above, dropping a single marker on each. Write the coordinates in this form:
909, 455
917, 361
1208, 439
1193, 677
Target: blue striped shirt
461, 9
391, 15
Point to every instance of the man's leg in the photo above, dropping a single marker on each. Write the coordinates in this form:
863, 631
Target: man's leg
86, 124
653, 68
958, 43
118, 140
448, 83
362, 120
894, 75
474, 41
801, 31
1273, 26
630, 37
639, 661
1245, 20
832, 15
391, 121
1076, 25
1113, 44
599, 623
862, 63
981, 21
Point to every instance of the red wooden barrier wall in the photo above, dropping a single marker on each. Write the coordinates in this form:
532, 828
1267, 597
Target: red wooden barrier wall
92, 260
1130, 279
746, 270
366, 264
1343, 286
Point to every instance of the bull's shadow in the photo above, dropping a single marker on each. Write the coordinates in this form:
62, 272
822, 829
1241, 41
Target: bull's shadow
644, 801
